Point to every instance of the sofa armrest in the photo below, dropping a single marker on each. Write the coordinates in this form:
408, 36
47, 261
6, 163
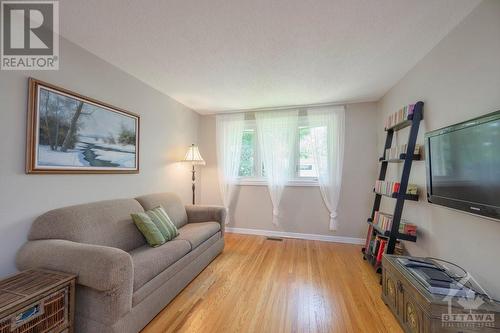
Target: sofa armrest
198, 213
98, 267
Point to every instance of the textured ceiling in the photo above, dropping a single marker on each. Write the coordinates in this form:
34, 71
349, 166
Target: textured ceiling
215, 55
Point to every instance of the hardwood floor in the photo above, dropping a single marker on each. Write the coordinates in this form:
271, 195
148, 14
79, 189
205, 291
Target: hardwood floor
259, 285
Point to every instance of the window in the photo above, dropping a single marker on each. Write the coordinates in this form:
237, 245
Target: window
250, 158
248, 150
252, 168
306, 166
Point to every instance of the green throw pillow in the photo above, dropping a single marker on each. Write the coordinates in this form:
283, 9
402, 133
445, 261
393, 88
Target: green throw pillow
163, 222
148, 229
156, 226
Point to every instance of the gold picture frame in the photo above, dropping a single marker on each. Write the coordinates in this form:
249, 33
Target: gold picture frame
68, 133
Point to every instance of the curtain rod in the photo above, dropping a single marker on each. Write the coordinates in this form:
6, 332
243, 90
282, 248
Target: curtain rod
277, 108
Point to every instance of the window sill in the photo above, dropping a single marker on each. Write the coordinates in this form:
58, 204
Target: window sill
262, 182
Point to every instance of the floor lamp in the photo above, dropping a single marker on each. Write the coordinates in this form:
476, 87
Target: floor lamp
193, 156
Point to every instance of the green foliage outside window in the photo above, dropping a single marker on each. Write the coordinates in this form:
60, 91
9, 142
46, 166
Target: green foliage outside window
247, 154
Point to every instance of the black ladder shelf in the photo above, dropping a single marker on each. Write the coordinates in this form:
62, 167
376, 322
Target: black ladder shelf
394, 235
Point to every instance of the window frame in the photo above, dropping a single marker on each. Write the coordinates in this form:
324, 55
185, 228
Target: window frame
258, 179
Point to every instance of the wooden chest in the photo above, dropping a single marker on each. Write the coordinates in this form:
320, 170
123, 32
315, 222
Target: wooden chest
37, 301
419, 311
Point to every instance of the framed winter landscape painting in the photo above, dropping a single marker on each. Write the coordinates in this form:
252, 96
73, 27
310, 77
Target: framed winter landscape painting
70, 133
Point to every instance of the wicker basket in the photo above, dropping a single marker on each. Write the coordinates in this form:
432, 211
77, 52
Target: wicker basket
47, 315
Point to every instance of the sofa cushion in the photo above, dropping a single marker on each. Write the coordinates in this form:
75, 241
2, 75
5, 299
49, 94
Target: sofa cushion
106, 223
149, 261
171, 272
170, 202
197, 233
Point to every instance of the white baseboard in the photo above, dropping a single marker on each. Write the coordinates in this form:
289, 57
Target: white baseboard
271, 233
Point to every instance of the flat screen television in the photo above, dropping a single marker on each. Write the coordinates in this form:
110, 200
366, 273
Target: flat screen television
463, 166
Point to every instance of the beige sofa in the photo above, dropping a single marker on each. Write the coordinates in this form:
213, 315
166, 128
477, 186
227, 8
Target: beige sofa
122, 282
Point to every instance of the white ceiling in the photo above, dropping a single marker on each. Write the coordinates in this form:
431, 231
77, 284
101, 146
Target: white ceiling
215, 55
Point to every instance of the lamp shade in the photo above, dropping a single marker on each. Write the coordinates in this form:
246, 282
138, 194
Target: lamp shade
193, 156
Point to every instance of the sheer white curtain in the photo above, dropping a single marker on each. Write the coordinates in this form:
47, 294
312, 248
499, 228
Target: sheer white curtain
327, 141
277, 133
229, 134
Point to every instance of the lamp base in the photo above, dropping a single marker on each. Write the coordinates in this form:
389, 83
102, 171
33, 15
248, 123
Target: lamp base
193, 178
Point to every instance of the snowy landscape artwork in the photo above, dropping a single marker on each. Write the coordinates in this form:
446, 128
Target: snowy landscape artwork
76, 134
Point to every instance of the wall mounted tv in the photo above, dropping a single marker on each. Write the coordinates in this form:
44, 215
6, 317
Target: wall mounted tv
463, 166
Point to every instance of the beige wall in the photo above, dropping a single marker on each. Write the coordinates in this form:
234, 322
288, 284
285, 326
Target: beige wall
302, 208
458, 80
167, 128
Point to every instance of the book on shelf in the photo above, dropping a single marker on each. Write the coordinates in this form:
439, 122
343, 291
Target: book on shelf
375, 245
381, 250
401, 115
388, 188
395, 152
399, 249
383, 222
378, 246
408, 229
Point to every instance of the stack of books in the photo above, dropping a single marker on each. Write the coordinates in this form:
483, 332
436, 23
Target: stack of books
403, 114
384, 222
377, 248
388, 188
395, 152
408, 229
399, 250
